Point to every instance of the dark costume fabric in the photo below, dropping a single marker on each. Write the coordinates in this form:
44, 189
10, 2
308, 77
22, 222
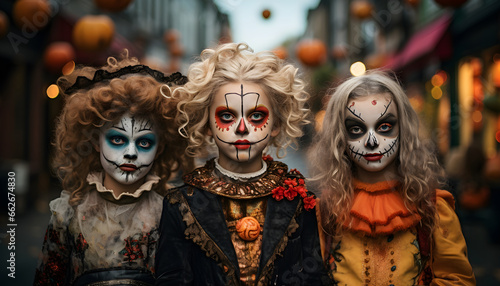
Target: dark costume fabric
104, 240
199, 243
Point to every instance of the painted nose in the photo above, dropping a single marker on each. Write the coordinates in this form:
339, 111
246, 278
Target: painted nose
131, 152
372, 141
242, 127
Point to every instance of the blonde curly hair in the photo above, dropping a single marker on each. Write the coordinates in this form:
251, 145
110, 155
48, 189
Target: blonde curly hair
234, 62
332, 169
88, 109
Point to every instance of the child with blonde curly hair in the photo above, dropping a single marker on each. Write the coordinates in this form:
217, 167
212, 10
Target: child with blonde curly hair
243, 218
384, 220
116, 144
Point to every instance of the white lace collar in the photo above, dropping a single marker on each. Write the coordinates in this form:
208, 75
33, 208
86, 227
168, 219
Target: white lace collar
97, 180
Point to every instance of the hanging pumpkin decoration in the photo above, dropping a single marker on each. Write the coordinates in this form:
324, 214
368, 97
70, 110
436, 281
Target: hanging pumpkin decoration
57, 55
311, 52
31, 15
4, 24
266, 14
361, 9
450, 3
281, 52
112, 5
93, 33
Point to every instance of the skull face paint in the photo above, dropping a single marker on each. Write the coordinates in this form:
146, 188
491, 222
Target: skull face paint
128, 148
241, 122
373, 131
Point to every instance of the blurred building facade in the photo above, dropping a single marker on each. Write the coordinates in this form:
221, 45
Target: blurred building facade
163, 34
446, 54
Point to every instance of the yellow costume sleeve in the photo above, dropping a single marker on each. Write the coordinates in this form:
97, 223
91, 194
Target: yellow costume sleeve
449, 261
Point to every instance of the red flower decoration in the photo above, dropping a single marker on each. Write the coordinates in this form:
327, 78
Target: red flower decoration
290, 193
278, 193
293, 187
291, 183
302, 191
309, 202
267, 158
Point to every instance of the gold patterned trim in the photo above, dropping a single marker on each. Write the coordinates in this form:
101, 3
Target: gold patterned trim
205, 179
267, 271
197, 234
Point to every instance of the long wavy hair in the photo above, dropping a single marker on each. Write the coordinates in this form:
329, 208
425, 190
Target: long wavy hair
86, 110
233, 63
418, 169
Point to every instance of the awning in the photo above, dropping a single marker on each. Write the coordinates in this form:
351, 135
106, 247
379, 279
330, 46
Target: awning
429, 40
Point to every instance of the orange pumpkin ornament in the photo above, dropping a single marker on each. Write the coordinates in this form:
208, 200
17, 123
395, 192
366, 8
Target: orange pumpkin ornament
57, 55
281, 52
112, 5
248, 228
266, 14
361, 9
4, 24
31, 15
93, 33
311, 52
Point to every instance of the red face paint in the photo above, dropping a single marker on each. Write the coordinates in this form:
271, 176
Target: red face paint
259, 117
224, 118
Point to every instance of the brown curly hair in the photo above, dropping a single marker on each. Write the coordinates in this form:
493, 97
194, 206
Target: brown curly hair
86, 110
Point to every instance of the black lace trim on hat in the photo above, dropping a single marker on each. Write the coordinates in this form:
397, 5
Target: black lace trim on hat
102, 75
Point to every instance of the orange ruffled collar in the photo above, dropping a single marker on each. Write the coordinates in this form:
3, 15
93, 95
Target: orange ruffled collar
378, 209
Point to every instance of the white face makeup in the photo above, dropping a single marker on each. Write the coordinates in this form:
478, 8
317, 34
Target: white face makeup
128, 148
373, 131
241, 122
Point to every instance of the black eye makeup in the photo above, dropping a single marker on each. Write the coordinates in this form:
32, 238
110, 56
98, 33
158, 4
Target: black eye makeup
355, 128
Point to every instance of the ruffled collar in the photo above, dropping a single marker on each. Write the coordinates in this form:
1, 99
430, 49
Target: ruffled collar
206, 179
378, 209
97, 180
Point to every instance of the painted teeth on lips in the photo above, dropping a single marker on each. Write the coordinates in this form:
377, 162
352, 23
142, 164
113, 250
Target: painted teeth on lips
242, 144
128, 167
373, 157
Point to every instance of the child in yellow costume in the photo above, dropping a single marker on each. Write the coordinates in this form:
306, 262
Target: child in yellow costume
384, 220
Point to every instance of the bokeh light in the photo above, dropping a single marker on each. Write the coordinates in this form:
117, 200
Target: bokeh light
358, 68
477, 116
436, 92
68, 68
52, 91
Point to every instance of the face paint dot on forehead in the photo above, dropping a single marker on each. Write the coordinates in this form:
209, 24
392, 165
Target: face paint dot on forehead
374, 102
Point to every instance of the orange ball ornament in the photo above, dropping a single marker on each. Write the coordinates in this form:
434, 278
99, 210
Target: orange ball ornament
93, 33
112, 5
266, 14
57, 55
248, 228
31, 15
311, 52
361, 9
4, 24
281, 52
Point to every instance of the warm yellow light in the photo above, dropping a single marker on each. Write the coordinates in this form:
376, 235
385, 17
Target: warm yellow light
358, 68
68, 68
52, 91
477, 116
319, 120
436, 92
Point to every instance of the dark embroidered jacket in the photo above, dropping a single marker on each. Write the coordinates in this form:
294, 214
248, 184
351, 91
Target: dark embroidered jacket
195, 246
